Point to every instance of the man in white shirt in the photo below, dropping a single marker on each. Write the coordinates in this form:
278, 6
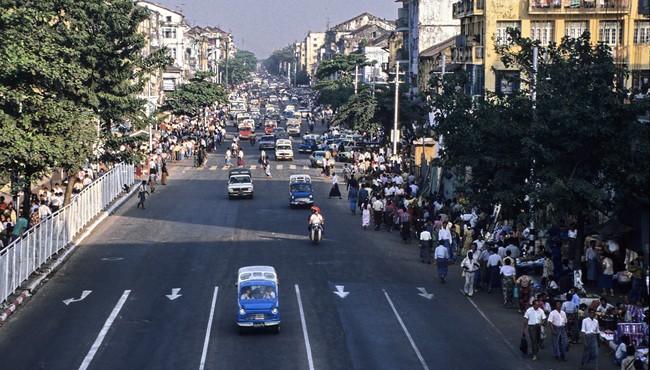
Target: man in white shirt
534, 318
557, 320
414, 190
425, 246
377, 211
493, 263
590, 332
444, 236
442, 260
514, 251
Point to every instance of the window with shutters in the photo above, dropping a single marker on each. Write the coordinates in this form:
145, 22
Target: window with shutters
610, 32
575, 29
642, 32
169, 32
502, 27
542, 31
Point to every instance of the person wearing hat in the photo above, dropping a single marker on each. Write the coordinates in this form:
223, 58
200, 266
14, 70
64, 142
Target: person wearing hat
316, 217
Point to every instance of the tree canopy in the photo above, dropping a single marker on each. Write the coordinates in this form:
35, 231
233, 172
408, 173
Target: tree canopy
358, 113
277, 58
578, 149
65, 66
240, 67
190, 98
337, 91
341, 64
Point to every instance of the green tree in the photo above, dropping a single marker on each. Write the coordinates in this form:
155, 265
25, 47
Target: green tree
191, 98
341, 65
578, 149
358, 113
277, 58
64, 66
334, 92
240, 67
337, 91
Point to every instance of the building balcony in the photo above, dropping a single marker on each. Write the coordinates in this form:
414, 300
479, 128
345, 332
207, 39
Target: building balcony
578, 6
402, 25
467, 54
468, 8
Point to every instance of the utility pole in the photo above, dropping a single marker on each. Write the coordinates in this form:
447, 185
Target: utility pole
533, 97
227, 52
395, 131
356, 78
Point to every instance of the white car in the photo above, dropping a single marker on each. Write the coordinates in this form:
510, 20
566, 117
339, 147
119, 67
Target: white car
283, 150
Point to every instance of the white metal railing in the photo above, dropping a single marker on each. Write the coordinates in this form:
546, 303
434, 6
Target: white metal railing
20, 259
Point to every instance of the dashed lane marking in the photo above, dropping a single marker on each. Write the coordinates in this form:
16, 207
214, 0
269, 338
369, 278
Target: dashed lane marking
254, 167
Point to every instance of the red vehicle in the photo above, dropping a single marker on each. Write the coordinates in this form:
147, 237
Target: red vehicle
245, 132
269, 126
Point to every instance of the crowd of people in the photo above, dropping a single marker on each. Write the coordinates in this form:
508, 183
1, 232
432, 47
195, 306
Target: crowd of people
44, 202
383, 189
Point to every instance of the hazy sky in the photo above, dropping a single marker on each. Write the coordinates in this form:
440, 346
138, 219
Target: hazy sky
264, 25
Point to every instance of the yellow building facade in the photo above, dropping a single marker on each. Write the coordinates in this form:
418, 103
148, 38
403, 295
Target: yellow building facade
313, 51
622, 24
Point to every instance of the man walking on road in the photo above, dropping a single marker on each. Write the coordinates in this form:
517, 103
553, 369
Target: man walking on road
534, 318
142, 193
228, 156
442, 260
558, 320
590, 332
377, 211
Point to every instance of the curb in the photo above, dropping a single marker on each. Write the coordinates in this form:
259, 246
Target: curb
14, 305
33, 286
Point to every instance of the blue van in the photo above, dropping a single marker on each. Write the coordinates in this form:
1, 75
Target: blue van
300, 191
257, 298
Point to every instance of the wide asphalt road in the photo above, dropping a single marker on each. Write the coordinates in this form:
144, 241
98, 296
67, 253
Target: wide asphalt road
158, 289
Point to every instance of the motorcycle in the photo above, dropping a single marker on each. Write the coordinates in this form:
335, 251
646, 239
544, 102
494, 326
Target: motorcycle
316, 233
252, 140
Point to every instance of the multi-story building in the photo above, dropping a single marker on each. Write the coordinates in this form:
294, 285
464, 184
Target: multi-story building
375, 73
423, 24
206, 48
172, 30
624, 25
153, 92
313, 51
354, 33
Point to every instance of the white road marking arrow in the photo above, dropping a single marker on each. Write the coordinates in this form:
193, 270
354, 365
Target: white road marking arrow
339, 291
84, 294
423, 293
174, 294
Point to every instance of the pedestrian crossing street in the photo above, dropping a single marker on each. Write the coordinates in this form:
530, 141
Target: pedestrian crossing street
254, 167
